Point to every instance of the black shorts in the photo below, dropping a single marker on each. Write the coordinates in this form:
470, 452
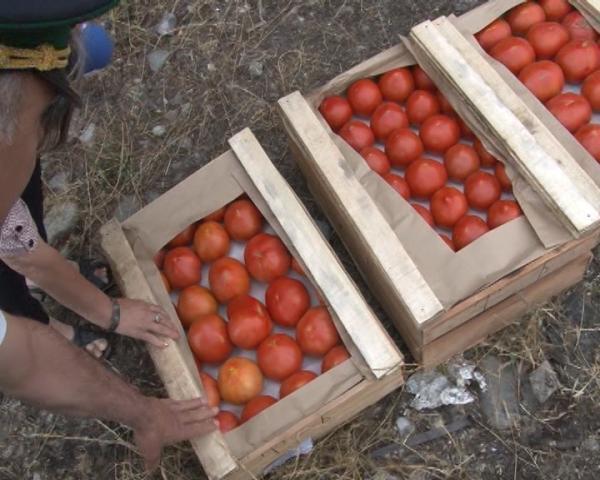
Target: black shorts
15, 297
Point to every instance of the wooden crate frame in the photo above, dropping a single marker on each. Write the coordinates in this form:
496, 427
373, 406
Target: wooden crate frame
432, 333
376, 365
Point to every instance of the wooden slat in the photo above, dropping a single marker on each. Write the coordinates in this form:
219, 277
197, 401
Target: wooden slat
363, 327
590, 10
563, 185
370, 226
170, 363
503, 314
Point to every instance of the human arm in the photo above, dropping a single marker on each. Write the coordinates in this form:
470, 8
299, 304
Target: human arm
48, 269
40, 367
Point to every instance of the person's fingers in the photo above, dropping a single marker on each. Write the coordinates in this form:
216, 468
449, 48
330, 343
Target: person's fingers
183, 405
163, 330
197, 416
154, 340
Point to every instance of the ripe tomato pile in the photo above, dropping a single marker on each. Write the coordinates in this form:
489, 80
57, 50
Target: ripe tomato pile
555, 53
408, 133
251, 322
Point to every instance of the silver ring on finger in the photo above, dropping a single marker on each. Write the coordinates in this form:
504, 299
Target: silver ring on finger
156, 318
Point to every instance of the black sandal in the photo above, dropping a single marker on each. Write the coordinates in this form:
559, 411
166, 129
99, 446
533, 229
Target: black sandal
83, 337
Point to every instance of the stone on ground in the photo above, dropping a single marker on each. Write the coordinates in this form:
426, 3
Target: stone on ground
499, 401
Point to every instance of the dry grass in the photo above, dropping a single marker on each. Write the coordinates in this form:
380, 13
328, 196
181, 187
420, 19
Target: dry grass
204, 94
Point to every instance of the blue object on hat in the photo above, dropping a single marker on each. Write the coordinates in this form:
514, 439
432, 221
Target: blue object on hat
98, 46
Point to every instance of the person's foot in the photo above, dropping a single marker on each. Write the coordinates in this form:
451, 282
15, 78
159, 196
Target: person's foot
95, 347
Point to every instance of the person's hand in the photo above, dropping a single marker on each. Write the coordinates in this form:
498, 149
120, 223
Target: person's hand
168, 422
146, 322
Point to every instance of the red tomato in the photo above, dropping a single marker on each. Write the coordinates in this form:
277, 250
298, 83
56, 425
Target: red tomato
240, 380
357, 135
544, 79
208, 339
194, 302
184, 238
493, 33
578, 59
287, 300
445, 105
243, 220
467, 230
547, 38
295, 382
555, 10
211, 241
522, 17
165, 281
448, 205
572, 110
421, 105
159, 258
439, 132
589, 137
502, 177
316, 332
211, 390
425, 176
386, 118
447, 241
279, 356
376, 159
501, 212
336, 111
334, 357
396, 85
403, 146
216, 216
578, 27
422, 80
228, 278
398, 184
296, 267
227, 421
257, 405
182, 267
266, 257
591, 90
249, 322
514, 52
364, 96
461, 160
485, 157
482, 189
424, 213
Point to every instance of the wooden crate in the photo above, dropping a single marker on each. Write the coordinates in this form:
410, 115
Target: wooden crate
558, 174
375, 367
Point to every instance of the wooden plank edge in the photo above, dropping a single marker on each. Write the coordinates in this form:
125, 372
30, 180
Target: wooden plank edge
503, 314
305, 129
331, 416
212, 451
563, 185
361, 324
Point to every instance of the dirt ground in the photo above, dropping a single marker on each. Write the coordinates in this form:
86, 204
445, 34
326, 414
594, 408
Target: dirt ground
228, 64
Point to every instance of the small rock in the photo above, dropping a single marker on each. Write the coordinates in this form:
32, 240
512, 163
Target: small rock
591, 444
87, 135
128, 205
211, 67
544, 381
159, 131
157, 59
256, 68
167, 24
499, 401
59, 182
405, 426
60, 221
